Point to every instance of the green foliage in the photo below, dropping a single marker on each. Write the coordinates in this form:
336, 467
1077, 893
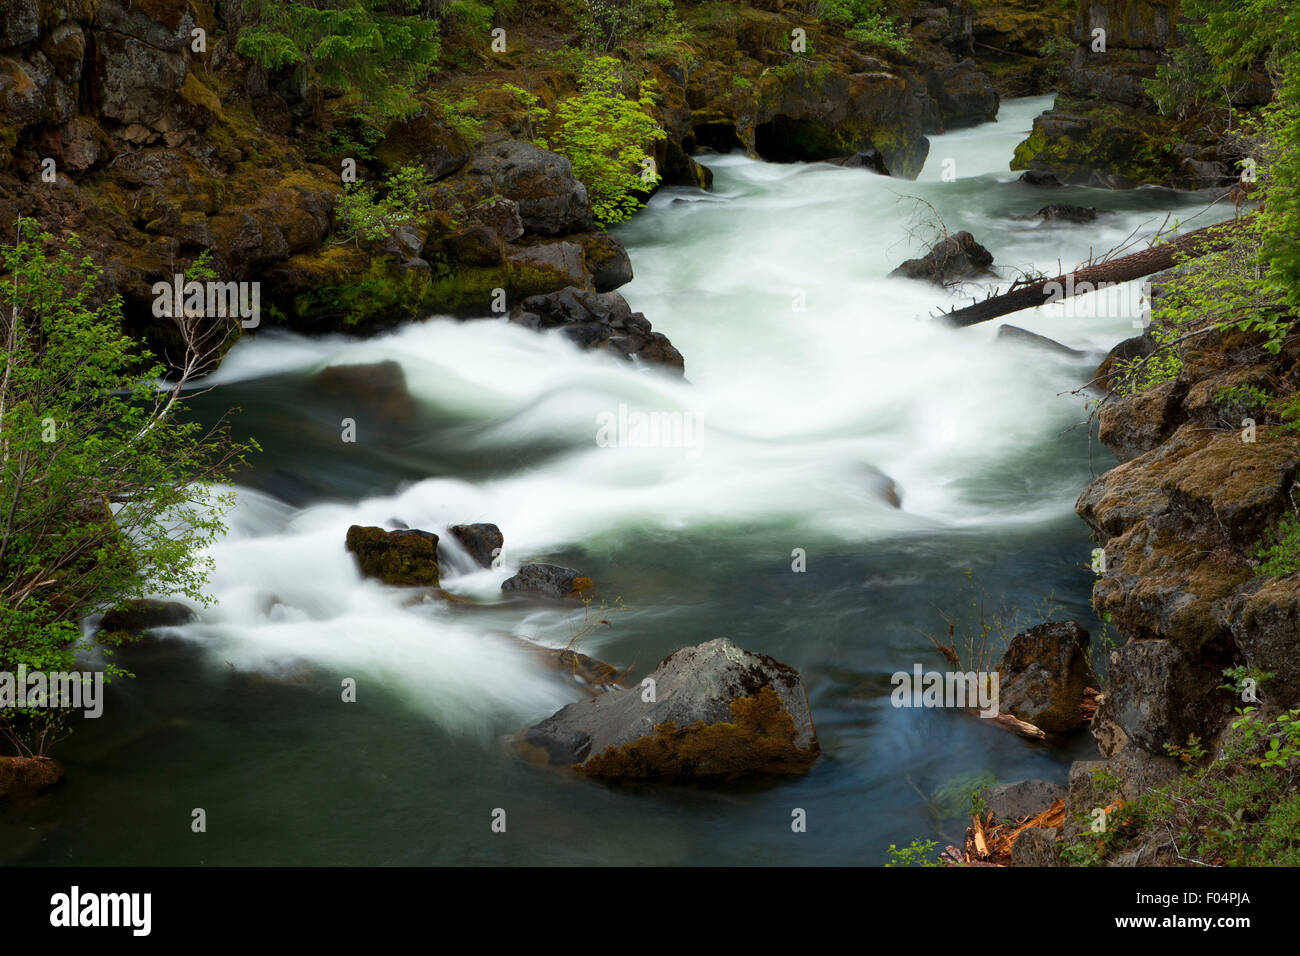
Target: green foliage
105, 493
607, 23
375, 50
458, 113
918, 853
364, 215
605, 134
863, 22
1278, 552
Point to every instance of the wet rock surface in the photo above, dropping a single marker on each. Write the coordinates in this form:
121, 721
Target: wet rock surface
716, 711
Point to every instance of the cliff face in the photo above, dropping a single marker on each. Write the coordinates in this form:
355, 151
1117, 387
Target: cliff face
1178, 520
116, 124
1104, 129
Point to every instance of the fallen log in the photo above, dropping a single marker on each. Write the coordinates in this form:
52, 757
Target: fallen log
1124, 269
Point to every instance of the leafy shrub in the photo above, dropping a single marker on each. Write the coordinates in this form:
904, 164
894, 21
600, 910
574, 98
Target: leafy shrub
604, 134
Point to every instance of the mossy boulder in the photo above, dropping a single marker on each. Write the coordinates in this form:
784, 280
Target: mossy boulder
138, 616
26, 776
709, 712
1043, 675
406, 558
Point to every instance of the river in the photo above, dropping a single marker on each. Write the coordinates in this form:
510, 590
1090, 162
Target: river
794, 417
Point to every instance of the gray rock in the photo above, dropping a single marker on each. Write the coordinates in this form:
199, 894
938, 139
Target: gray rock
482, 541
550, 199
558, 264
549, 580
709, 711
1043, 675
1036, 847
957, 257
598, 320
1010, 802
1161, 693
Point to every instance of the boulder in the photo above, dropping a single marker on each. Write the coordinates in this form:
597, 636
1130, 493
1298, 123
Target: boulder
1139, 346
138, 616
1043, 675
1012, 802
406, 558
607, 261
544, 267
1085, 793
26, 776
482, 541
551, 201
1160, 693
951, 259
549, 580
598, 320
713, 711
376, 387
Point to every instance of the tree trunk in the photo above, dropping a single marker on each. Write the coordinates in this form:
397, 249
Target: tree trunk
1123, 269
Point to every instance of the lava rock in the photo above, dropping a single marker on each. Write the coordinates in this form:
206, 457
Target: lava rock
1043, 675
550, 199
549, 580
1036, 846
406, 558
482, 541
863, 159
598, 320
716, 711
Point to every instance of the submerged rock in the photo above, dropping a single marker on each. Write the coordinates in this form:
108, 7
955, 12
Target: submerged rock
376, 387
952, 259
863, 159
1043, 675
1064, 212
1019, 336
482, 541
549, 580
406, 558
714, 711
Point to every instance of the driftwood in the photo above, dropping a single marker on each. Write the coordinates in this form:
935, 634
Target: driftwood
1124, 269
989, 843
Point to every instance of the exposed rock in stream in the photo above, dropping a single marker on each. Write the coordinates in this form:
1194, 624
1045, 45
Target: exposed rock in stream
950, 259
548, 580
404, 558
709, 711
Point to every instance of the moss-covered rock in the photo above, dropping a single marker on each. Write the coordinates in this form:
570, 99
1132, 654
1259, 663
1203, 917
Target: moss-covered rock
406, 558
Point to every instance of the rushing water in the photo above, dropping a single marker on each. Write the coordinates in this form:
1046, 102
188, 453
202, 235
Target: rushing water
797, 417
